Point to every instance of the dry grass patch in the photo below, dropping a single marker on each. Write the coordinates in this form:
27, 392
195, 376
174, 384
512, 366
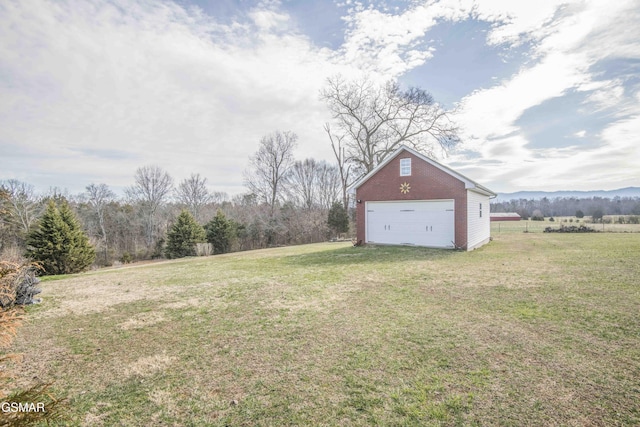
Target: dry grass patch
149, 365
142, 320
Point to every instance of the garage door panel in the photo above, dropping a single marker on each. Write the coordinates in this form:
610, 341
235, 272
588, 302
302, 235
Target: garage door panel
423, 223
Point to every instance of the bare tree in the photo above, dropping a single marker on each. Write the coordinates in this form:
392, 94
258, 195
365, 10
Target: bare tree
344, 167
373, 120
270, 165
193, 193
22, 204
151, 188
329, 185
302, 183
98, 197
218, 197
311, 184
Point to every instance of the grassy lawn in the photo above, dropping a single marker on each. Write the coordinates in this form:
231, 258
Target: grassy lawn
532, 329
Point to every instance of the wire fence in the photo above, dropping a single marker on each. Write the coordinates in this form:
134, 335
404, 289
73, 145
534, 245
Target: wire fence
609, 224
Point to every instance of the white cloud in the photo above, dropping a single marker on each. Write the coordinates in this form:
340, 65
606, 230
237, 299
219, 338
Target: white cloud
568, 41
87, 85
154, 83
390, 44
267, 20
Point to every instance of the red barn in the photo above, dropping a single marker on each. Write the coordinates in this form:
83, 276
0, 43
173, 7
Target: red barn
410, 199
506, 216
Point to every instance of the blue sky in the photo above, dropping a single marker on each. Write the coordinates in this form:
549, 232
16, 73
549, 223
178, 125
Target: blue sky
547, 93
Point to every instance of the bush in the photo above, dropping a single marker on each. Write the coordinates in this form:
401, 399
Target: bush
537, 215
126, 258
570, 229
18, 284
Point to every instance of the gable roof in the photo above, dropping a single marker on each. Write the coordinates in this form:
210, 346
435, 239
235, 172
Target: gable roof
468, 183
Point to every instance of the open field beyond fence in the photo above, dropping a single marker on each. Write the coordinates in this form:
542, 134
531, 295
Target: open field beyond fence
609, 225
532, 329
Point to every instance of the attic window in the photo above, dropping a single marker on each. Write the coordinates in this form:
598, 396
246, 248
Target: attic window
405, 167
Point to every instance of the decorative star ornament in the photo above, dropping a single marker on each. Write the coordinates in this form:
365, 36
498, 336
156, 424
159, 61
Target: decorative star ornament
405, 187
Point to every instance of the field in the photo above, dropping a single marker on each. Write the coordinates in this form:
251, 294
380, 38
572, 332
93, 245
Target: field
532, 329
609, 225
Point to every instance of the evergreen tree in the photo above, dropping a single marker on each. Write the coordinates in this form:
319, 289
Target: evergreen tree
338, 219
220, 233
58, 242
183, 236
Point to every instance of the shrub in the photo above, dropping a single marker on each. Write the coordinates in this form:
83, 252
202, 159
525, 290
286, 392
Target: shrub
537, 215
18, 283
570, 229
126, 258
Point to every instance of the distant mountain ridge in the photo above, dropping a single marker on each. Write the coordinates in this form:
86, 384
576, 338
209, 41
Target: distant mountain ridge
536, 195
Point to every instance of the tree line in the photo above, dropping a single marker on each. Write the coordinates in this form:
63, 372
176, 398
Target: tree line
595, 207
288, 201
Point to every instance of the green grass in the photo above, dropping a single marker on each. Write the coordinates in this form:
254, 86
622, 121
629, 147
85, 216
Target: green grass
532, 329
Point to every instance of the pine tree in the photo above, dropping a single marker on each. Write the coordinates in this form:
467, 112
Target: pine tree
81, 253
338, 218
58, 242
183, 236
220, 233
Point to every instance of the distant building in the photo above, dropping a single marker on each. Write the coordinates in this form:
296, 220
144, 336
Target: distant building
504, 216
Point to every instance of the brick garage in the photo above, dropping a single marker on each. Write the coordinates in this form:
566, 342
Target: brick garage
412, 199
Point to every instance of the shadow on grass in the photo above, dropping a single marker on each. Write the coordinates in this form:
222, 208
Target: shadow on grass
368, 254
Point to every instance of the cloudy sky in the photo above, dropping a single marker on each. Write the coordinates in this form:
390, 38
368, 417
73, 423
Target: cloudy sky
547, 92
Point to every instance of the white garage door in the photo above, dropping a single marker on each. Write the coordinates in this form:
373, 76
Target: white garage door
421, 223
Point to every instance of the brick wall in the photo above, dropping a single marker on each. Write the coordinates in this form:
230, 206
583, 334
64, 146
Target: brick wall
426, 181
